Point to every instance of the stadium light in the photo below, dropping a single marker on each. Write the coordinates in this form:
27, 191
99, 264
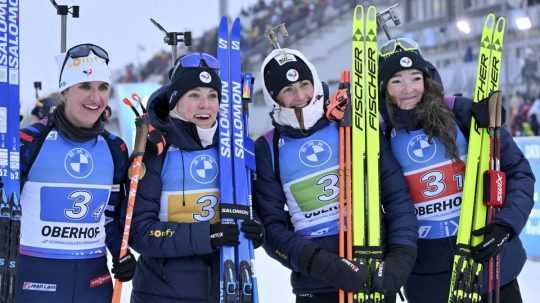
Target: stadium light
523, 23
463, 26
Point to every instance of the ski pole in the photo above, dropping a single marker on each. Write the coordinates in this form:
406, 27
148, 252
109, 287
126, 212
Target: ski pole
338, 109
155, 136
141, 135
495, 185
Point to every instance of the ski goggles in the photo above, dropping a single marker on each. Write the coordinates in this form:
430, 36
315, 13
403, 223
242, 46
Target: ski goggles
401, 44
194, 60
83, 50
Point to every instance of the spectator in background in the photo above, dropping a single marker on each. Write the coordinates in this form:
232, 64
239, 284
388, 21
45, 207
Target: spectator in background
302, 17
42, 109
529, 71
515, 103
534, 116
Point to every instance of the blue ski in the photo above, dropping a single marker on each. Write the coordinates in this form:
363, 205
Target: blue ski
228, 290
242, 175
10, 210
237, 279
6, 186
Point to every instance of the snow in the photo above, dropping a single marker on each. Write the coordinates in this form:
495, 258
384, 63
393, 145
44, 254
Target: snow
274, 281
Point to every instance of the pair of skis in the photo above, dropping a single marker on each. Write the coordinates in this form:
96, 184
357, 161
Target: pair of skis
484, 148
10, 209
359, 199
236, 162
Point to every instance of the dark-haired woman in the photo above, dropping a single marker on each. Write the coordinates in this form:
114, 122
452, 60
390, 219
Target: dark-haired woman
428, 135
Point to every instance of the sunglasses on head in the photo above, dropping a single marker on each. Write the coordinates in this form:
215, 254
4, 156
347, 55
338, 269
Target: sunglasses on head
83, 50
395, 45
194, 60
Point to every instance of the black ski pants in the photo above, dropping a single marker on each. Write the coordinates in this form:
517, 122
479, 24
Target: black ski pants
434, 288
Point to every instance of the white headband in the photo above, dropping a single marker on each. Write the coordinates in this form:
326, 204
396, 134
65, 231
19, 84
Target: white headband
83, 69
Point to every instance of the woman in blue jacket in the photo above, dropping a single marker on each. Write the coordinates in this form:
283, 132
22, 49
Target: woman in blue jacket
176, 225
429, 140
73, 175
296, 190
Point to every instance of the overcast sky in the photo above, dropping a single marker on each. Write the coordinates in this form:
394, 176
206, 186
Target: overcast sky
117, 25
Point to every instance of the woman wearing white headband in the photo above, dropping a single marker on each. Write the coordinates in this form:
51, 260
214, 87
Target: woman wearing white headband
72, 179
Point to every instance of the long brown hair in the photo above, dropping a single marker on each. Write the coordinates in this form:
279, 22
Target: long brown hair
437, 119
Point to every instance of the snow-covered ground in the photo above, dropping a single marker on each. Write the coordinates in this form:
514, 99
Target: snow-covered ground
274, 282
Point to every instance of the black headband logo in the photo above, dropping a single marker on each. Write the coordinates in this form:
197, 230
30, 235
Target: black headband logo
205, 77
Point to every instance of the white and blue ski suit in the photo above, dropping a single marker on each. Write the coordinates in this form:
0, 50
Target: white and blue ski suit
438, 213
177, 199
70, 195
296, 190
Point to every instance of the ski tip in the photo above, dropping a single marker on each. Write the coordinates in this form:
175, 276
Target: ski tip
372, 13
490, 20
358, 12
223, 22
236, 23
501, 24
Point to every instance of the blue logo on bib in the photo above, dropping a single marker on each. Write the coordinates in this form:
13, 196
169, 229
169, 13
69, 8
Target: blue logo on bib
420, 149
79, 163
203, 169
315, 153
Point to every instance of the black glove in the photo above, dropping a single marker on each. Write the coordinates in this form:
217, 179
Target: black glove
397, 266
495, 235
254, 231
336, 271
223, 235
124, 268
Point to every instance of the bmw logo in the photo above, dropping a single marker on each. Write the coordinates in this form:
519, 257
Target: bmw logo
79, 163
420, 150
315, 153
203, 169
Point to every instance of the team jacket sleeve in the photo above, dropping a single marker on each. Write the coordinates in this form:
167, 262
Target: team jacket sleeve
31, 138
28, 147
154, 238
519, 185
519, 177
281, 243
399, 214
